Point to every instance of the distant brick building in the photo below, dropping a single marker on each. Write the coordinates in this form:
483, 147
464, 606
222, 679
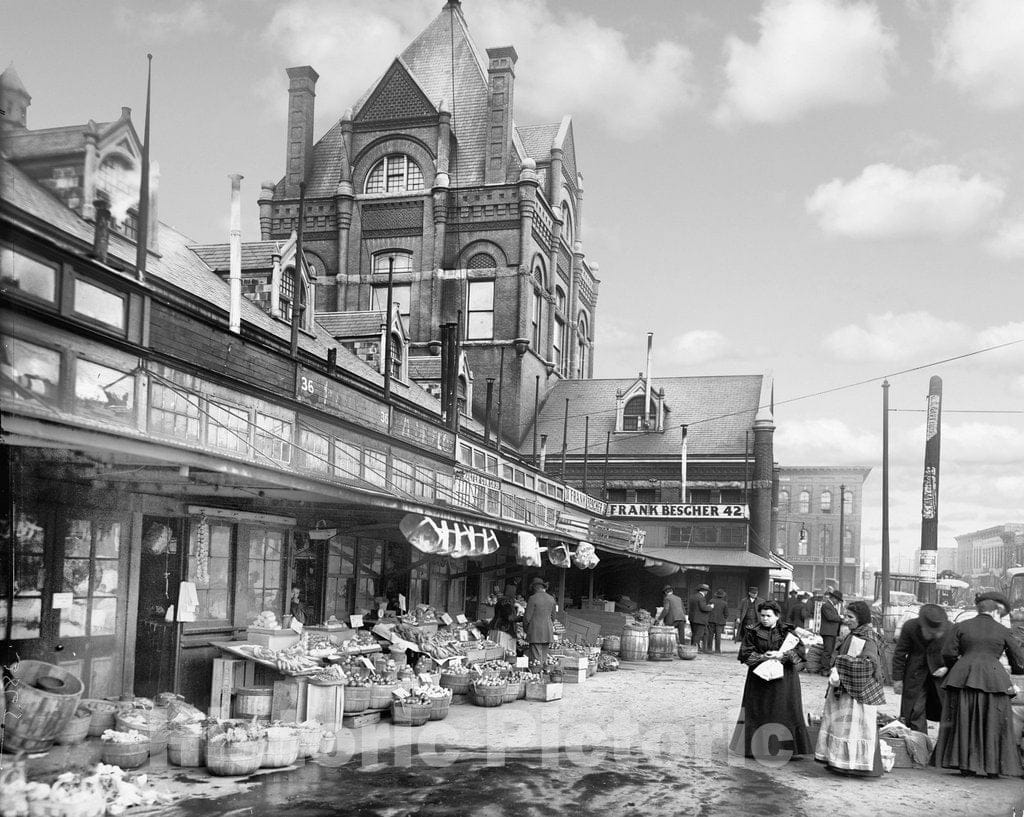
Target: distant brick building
983, 555
812, 499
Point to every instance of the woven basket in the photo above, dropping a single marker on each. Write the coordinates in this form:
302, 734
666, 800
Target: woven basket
77, 729
279, 752
103, 713
380, 696
230, 759
185, 748
899, 749
511, 692
409, 714
125, 755
150, 722
357, 699
458, 684
687, 651
488, 695
439, 708
309, 740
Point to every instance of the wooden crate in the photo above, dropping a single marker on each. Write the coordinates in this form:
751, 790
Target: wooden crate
540, 691
228, 675
289, 701
574, 676
573, 662
272, 639
325, 704
361, 720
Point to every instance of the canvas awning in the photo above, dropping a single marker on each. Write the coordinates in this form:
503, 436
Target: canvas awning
708, 558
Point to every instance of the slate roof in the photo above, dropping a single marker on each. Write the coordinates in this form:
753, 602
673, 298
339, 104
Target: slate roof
717, 410
255, 254
29, 144
352, 324
537, 140
329, 157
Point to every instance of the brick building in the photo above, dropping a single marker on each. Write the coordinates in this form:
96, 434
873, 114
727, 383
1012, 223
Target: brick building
811, 501
983, 555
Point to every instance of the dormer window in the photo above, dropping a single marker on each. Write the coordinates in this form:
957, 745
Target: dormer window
397, 355
396, 173
635, 413
634, 416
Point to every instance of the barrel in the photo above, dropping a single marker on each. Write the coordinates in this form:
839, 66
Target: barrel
633, 644
253, 702
41, 699
611, 644
661, 643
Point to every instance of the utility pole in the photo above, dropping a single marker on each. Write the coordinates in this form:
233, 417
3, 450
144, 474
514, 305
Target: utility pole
842, 532
885, 496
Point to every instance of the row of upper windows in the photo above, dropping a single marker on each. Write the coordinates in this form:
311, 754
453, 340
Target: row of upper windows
824, 502
825, 544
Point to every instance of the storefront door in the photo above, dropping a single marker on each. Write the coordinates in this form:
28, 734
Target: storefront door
159, 579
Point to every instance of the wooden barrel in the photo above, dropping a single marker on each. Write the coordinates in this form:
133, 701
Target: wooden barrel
633, 644
253, 702
611, 644
661, 643
41, 700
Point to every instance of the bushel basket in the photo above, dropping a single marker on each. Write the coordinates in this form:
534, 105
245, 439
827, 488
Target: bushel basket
483, 695
458, 684
126, 755
231, 759
407, 713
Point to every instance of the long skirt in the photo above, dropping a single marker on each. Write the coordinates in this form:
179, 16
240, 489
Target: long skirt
848, 739
771, 725
976, 734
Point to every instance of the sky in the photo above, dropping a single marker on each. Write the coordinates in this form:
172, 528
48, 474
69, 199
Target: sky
829, 191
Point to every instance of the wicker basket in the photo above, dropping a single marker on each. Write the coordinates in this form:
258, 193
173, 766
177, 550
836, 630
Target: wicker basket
186, 748
511, 692
404, 713
687, 651
150, 722
488, 695
77, 729
280, 751
309, 740
103, 713
439, 708
230, 759
380, 696
357, 699
458, 684
125, 755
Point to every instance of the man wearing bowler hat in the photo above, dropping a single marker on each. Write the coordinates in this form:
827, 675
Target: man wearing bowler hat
672, 614
539, 621
918, 667
829, 628
699, 610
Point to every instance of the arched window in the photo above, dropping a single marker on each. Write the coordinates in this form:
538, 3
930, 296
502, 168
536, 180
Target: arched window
396, 356
481, 260
461, 390
801, 545
396, 173
826, 501
286, 294
826, 542
848, 502
634, 417
480, 314
847, 538
402, 262
805, 502
537, 312
568, 227
559, 347
783, 500
581, 348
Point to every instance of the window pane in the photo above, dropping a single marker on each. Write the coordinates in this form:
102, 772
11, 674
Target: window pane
274, 437
73, 619
481, 325
105, 577
376, 468
21, 273
76, 576
30, 372
108, 539
78, 541
401, 294
314, 451
97, 303
481, 295
104, 392
347, 460
173, 413
227, 427
104, 617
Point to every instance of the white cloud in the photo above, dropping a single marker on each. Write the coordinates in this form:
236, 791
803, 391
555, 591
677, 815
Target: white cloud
1008, 240
982, 443
195, 17
981, 51
831, 441
886, 201
891, 336
630, 91
699, 346
810, 54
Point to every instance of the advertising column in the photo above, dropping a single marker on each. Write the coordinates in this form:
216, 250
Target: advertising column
930, 495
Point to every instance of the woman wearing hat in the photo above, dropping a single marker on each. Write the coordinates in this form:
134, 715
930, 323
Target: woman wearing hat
976, 730
771, 725
848, 738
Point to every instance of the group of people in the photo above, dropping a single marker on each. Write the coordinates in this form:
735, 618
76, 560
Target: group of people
538, 620
949, 673
707, 615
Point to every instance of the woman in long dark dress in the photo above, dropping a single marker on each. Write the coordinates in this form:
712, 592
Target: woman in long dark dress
976, 731
771, 725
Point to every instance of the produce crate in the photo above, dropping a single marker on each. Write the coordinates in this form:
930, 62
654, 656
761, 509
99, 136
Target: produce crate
325, 704
272, 639
228, 675
573, 662
361, 720
541, 691
899, 749
289, 702
574, 676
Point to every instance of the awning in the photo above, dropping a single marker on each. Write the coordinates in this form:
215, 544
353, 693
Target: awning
707, 558
781, 569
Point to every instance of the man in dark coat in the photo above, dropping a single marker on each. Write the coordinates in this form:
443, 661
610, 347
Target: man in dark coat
747, 616
787, 608
829, 628
716, 621
673, 615
699, 610
798, 612
918, 668
538, 620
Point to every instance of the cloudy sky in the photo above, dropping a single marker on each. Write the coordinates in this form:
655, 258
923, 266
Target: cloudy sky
831, 191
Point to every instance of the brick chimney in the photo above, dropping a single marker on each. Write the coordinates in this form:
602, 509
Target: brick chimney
299, 158
501, 79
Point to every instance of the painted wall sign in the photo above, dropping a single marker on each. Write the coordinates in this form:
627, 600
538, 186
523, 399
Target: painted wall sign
419, 433
313, 389
582, 500
669, 511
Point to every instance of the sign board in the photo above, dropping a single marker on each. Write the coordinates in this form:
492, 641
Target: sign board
355, 621
581, 500
401, 602
314, 389
461, 618
422, 434
446, 619
678, 511
62, 601
366, 662
296, 625
425, 678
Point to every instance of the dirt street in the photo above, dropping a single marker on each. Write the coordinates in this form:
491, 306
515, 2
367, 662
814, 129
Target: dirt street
648, 739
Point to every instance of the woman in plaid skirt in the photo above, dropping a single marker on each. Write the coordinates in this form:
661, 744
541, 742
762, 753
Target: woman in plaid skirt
848, 740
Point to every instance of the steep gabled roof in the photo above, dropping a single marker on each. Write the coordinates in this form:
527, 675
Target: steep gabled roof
346, 325
537, 140
256, 255
30, 144
717, 410
425, 367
